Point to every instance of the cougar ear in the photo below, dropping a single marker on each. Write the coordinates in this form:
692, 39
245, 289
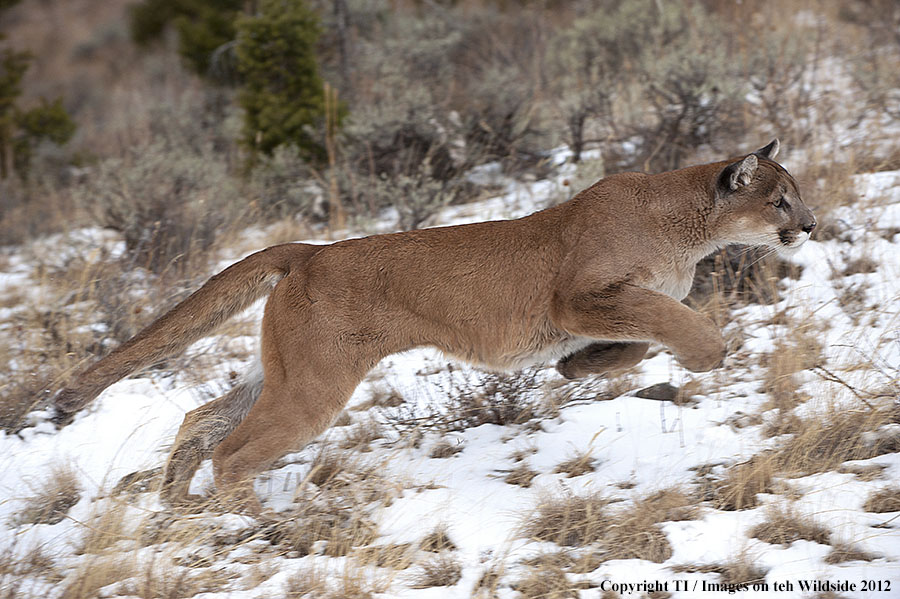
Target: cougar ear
770, 151
738, 174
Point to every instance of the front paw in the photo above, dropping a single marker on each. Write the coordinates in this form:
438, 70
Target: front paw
704, 358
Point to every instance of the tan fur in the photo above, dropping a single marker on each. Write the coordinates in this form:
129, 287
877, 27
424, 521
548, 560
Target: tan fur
589, 283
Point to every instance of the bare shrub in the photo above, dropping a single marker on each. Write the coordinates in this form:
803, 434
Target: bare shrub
874, 68
284, 186
470, 400
780, 71
169, 202
496, 399
30, 209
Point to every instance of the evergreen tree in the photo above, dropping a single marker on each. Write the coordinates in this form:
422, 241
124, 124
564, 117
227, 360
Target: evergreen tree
21, 130
204, 26
281, 92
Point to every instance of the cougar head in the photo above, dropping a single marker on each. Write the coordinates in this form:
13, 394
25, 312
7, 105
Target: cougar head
758, 203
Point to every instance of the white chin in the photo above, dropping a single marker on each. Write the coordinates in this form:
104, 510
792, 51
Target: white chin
789, 250
802, 237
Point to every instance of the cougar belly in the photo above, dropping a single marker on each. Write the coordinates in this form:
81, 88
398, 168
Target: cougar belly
535, 353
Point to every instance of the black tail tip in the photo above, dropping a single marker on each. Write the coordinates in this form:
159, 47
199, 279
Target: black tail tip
70, 400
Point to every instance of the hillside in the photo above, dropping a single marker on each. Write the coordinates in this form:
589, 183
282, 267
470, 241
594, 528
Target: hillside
776, 475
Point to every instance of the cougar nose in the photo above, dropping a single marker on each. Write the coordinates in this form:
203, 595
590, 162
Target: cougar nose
808, 228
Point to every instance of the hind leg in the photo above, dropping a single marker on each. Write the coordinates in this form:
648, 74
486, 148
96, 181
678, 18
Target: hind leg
200, 433
602, 357
284, 419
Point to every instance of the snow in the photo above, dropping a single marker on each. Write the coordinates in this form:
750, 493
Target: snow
639, 445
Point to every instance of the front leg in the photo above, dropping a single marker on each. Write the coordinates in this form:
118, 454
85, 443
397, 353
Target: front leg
626, 312
601, 357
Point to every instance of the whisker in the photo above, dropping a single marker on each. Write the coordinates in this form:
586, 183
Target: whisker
766, 254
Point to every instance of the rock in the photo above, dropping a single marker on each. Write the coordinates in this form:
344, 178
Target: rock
660, 391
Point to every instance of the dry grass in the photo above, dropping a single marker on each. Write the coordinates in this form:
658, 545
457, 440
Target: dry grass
549, 582
52, 501
397, 556
162, 581
824, 443
445, 449
567, 560
800, 351
95, 573
362, 434
90, 302
486, 585
437, 540
322, 584
521, 475
818, 444
737, 571
105, 529
16, 568
443, 570
742, 483
335, 530
845, 552
569, 521
864, 472
883, 501
629, 533
784, 525
578, 464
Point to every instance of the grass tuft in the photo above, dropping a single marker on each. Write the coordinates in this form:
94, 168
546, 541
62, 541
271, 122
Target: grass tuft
883, 501
52, 501
437, 540
521, 475
784, 525
442, 570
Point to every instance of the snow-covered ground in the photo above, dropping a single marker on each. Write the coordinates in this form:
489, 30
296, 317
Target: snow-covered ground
636, 447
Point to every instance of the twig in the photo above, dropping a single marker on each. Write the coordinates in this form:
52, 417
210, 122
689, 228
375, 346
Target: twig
830, 376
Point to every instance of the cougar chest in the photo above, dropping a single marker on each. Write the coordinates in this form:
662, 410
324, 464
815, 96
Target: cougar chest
675, 281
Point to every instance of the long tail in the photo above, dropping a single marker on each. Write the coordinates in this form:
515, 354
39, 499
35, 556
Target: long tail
220, 298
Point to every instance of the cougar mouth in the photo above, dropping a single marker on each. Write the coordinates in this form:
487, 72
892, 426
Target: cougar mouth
792, 240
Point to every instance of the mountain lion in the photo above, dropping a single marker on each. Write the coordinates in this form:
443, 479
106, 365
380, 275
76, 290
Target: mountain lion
589, 283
